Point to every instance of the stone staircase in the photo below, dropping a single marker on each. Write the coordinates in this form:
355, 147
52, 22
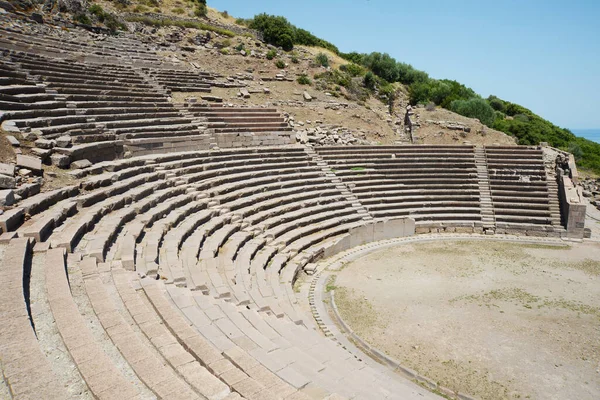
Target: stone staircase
487, 207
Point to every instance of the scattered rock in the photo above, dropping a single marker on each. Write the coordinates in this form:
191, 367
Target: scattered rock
7, 182
7, 169
79, 164
45, 143
60, 160
244, 93
37, 17
307, 97
13, 141
7, 197
29, 136
63, 141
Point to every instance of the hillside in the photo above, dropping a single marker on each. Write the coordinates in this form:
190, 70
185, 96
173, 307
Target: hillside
354, 97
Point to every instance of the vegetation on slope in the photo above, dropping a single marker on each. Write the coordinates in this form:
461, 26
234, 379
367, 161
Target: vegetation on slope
379, 71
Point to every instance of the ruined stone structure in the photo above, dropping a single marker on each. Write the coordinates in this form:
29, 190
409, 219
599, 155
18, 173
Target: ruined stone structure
192, 223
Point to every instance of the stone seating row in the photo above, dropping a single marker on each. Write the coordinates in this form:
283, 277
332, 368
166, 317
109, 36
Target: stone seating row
226, 234
181, 80
522, 192
240, 119
443, 184
428, 183
26, 370
117, 335
161, 228
95, 110
78, 42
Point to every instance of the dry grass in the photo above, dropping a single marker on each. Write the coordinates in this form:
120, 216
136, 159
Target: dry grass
6, 151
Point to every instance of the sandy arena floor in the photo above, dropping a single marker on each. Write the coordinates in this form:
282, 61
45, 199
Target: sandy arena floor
494, 320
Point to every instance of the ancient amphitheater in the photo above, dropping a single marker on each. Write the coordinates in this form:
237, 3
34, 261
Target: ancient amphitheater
168, 270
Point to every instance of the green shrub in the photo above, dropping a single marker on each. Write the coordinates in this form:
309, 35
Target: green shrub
496, 103
82, 19
140, 8
295, 59
369, 80
241, 21
475, 108
240, 47
322, 60
278, 31
271, 54
200, 10
353, 69
178, 10
280, 64
96, 9
303, 80
225, 14
521, 117
224, 43
224, 51
576, 150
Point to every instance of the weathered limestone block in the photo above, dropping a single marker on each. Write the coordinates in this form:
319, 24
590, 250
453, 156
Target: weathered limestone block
45, 143
79, 164
7, 182
63, 141
60, 160
7, 169
7, 197
32, 163
13, 141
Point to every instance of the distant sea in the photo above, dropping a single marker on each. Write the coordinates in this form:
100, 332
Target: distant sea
591, 134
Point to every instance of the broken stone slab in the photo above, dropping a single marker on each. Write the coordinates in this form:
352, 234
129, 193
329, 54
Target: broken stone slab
43, 154
307, 97
32, 163
60, 160
13, 141
245, 93
7, 169
63, 141
7, 197
80, 164
7, 182
45, 143
29, 136
27, 190
213, 99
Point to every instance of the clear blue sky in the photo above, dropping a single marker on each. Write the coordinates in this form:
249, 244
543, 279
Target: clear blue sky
542, 54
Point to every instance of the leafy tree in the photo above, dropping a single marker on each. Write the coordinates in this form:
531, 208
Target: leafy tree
382, 65
475, 108
276, 30
496, 103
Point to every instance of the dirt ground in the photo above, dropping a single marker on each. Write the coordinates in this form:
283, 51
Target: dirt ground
495, 320
432, 133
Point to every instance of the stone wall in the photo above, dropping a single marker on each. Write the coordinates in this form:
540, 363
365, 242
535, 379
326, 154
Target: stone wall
373, 232
572, 208
251, 139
